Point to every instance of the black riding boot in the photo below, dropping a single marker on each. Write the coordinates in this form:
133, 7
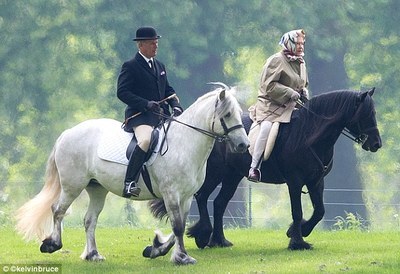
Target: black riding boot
136, 162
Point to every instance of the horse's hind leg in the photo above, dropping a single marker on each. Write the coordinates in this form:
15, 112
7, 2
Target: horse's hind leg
97, 196
53, 242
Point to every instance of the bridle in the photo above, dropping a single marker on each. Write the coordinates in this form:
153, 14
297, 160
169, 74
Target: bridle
224, 137
218, 137
362, 137
359, 138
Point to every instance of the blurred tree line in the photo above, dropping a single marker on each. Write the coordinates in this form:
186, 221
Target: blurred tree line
59, 62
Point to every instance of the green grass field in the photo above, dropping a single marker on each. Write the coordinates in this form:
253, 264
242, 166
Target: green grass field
254, 251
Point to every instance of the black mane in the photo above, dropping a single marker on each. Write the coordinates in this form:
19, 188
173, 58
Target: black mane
309, 122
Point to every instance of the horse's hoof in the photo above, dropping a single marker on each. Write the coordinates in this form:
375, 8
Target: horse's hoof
49, 246
299, 245
201, 234
147, 251
201, 242
183, 259
94, 256
289, 232
223, 243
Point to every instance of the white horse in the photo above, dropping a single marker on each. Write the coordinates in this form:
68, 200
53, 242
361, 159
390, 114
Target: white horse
74, 165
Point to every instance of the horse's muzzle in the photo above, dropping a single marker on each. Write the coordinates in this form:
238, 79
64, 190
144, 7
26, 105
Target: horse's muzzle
372, 145
241, 148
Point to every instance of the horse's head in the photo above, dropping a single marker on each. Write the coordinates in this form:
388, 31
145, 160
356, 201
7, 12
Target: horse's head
227, 122
363, 125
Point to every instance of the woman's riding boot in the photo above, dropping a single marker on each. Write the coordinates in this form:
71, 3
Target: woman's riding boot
254, 175
254, 172
135, 164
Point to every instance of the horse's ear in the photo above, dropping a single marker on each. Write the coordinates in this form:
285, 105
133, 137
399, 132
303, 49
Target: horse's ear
363, 95
371, 92
222, 95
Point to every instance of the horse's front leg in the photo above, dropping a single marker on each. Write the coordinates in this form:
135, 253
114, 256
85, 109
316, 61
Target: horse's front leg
316, 192
229, 186
295, 230
178, 215
201, 231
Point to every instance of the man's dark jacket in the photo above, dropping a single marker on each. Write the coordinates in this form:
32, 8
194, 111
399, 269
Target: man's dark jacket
138, 84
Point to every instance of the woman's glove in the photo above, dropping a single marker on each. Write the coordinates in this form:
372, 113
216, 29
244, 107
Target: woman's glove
153, 106
295, 96
177, 112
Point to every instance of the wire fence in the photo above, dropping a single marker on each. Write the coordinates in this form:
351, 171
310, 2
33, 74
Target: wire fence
246, 209
268, 205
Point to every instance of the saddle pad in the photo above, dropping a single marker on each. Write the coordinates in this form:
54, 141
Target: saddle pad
255, 129
113, 145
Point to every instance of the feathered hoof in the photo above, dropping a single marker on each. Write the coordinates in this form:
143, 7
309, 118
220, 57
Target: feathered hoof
222, 243
201, 234
94, 256
183, 259
201, 242
299, 245
289, 232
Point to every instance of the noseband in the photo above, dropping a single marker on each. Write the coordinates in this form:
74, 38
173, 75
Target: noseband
361, 137
224, 137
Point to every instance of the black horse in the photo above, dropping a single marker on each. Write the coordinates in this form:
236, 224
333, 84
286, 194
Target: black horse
302, 155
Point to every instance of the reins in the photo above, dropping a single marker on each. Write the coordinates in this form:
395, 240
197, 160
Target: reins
139, 113
218, 137
346, 132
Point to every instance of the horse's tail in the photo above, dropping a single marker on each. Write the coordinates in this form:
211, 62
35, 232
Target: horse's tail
35, 217
157, 208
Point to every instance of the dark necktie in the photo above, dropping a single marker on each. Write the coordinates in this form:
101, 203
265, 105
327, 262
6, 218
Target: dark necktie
152, 66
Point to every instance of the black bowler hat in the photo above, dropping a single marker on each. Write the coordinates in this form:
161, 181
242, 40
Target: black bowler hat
146, 33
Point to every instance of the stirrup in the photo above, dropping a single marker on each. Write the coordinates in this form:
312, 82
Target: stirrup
131, 190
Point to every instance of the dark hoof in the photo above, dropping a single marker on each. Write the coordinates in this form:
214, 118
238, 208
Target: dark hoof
201, 242
289, 232
147, 251
299, 245
223, 243
201, 234
49, 246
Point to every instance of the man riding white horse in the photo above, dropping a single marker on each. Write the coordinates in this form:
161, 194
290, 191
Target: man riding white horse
142, 85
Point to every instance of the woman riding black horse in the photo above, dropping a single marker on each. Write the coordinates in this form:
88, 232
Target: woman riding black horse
302, 156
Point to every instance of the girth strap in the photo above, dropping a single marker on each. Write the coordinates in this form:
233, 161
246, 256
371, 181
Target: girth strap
147, 181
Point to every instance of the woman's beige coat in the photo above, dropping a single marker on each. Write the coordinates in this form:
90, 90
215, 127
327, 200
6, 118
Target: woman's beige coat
280, 79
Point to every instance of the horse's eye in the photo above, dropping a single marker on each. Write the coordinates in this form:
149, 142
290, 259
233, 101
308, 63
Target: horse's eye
228, 115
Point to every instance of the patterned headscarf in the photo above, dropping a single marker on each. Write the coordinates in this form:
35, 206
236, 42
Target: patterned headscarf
288, 42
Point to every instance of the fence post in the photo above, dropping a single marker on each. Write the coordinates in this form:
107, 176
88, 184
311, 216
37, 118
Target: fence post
250, 210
